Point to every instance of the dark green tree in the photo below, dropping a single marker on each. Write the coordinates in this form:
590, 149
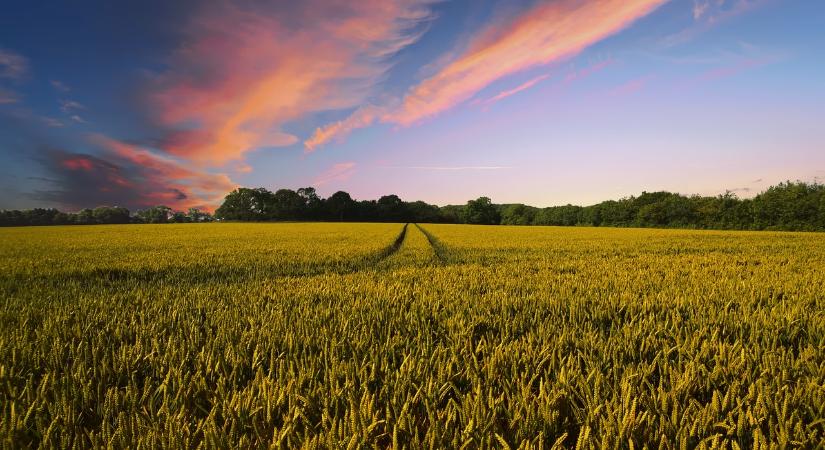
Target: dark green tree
246, 204
340, 206
155, 214
287, 205
481, 211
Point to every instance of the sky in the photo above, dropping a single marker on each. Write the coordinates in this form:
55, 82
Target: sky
544, 102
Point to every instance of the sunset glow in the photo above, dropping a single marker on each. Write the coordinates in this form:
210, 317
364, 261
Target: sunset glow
581, 100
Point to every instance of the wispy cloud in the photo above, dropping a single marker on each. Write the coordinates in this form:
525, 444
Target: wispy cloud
700, 7
631, 86
585, 72
246, 70
714, 11
7, 96
522, 87
450, 168
361, 118
12, 65
546, 33
735, 68
51, 122
735, 64
60, 86
707, 14
70, 106
338, 172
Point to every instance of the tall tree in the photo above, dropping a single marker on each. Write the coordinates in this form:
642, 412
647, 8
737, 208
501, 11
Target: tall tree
481, 211
340, 205
246, 204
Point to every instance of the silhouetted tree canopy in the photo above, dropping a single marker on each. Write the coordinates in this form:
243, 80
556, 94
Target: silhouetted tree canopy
786, 206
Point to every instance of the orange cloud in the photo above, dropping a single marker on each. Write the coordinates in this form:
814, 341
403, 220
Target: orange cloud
362, 117
546, 33
243, 73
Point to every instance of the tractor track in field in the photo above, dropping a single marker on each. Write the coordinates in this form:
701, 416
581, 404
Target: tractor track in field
394, 247
438, 248
114, 277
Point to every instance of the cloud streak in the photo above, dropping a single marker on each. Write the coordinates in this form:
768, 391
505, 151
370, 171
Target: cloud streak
709, 13
12, 65
244, 73
338, 172
546, 33
7, 96
522, 87
451, 168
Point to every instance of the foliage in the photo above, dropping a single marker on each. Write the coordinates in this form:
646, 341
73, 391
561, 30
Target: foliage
377, 335
481, 211
788, 206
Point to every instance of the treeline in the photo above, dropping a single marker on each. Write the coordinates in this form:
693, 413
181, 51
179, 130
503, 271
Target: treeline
305, 205
787, 206
101, 215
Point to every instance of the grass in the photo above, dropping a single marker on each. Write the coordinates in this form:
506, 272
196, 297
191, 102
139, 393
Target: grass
356, 335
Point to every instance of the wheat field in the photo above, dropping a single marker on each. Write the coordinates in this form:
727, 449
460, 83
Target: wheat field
404, 336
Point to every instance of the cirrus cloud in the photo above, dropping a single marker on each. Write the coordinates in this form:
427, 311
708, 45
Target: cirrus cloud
338, 172
12, 65
546, 33
244, 73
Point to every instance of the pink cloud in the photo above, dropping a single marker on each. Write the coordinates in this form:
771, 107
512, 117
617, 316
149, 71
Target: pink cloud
735, 68
631, 86
338, 172
244, 72
361, 118
524, 86
544, 34
160, 179
588, 71
78, 164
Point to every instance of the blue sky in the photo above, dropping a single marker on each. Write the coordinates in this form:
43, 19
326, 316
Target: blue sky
542, 102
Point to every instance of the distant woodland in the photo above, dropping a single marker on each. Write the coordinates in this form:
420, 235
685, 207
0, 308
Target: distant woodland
788, 206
